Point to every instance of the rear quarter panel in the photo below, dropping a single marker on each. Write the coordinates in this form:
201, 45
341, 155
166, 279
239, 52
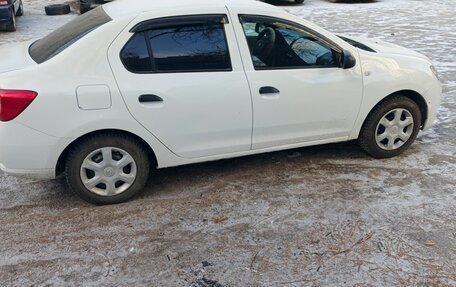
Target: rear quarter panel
55, 111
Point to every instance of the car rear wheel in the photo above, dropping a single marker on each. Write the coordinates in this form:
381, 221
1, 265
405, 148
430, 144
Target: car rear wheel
391, 127
107, 168
20, 10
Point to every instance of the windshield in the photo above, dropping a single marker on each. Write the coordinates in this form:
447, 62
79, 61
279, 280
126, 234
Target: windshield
54, 43
357, 44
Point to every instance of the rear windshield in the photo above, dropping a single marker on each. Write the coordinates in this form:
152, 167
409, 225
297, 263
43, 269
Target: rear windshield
54, 43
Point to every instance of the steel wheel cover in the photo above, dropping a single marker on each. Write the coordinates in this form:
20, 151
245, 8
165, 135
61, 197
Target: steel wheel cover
394, 129
108, 171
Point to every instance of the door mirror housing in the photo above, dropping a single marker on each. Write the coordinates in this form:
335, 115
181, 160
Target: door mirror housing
348, 61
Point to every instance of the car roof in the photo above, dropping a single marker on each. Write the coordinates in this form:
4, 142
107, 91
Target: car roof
121, 8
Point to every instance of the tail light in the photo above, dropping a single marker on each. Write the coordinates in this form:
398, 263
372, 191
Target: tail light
14, 102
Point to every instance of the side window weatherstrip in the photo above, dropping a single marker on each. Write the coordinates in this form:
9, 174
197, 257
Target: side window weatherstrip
179, 20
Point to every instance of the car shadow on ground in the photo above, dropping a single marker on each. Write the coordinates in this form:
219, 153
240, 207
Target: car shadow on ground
247, 167
188, 180
191, 180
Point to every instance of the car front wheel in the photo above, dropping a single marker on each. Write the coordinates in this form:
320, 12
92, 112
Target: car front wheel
107, 169
391, 127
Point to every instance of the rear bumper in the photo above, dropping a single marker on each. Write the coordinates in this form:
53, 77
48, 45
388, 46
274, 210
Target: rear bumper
27, 152
5, 13
29, 173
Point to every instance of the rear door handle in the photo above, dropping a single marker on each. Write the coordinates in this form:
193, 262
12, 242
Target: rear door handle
150, 99
268, 90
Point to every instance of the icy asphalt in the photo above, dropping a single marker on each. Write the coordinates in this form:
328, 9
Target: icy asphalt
320, 216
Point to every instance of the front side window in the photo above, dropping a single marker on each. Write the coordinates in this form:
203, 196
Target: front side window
187, 47
279, 44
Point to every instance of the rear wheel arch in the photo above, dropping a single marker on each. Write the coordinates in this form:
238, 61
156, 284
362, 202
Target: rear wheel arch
60, 166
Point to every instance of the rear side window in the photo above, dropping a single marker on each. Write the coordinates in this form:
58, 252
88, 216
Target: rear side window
135, 55
54, 43
189, 48
186, 47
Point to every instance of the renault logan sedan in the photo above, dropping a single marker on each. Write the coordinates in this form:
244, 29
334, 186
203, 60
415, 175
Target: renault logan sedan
169, 83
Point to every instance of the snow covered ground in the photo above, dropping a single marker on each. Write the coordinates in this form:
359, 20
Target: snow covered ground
327, 215
35, 23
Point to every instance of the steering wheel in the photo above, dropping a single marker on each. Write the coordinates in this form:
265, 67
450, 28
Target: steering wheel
265, 42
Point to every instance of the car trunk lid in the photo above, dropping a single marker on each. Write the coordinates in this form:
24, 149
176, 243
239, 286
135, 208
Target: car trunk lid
15, 56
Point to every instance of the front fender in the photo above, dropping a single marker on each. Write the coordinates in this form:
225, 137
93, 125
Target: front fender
384, 75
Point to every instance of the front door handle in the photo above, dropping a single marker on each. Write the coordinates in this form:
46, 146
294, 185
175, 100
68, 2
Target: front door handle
268, 90
150, 99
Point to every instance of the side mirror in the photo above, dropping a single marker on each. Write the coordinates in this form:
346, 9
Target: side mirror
348, 61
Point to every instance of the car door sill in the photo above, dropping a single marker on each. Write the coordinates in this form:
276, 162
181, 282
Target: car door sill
184, 161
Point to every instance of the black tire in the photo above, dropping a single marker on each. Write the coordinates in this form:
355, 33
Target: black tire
11, 25
85, 6
57, 9
81, 150
299, 1
20, 10
367, 137
84, 9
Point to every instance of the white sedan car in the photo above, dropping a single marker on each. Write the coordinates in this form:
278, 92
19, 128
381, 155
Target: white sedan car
135, 85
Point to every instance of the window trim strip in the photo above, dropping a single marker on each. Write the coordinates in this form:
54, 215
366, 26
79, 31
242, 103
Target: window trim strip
178, 21
311, 32
222, 19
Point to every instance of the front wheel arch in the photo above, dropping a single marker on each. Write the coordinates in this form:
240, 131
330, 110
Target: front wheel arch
60, 166
393, 129
413, 95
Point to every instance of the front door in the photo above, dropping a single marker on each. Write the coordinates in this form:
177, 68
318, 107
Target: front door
299, 92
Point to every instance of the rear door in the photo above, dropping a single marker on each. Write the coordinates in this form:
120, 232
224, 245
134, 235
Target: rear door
182, 79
